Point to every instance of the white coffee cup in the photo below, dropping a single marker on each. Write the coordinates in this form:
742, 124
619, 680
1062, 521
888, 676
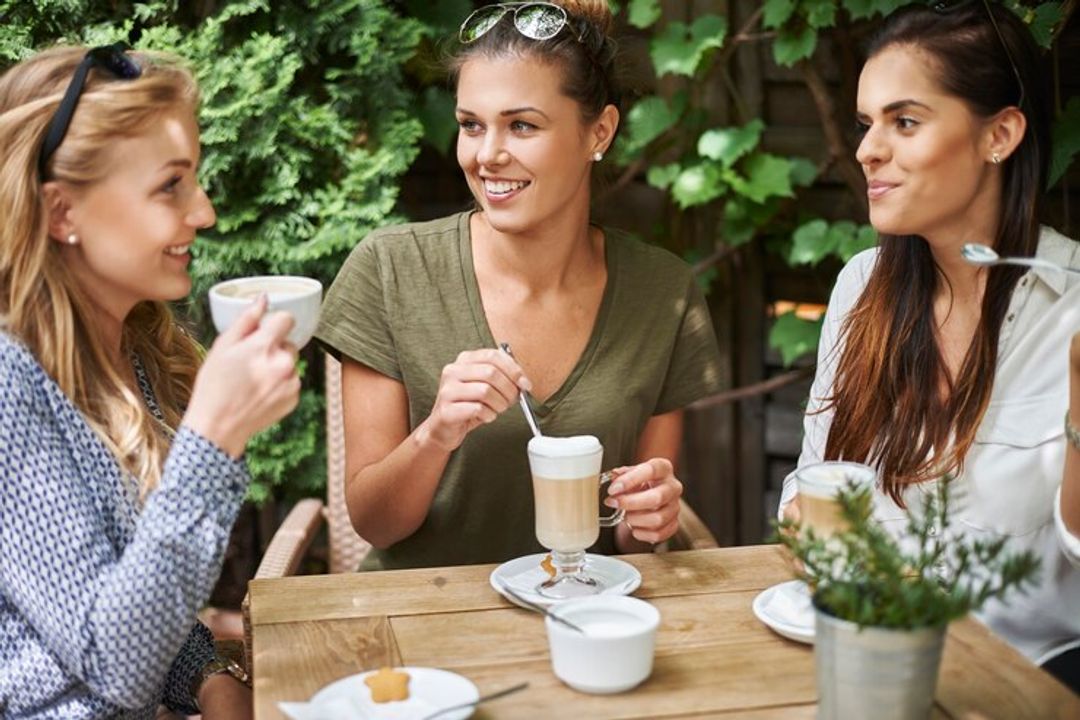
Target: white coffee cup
301, 297
614, 654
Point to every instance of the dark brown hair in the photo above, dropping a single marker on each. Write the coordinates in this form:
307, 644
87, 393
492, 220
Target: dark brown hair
887, 409
583, 49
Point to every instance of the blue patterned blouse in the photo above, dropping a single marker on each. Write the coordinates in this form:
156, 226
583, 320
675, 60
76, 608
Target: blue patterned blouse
97, 598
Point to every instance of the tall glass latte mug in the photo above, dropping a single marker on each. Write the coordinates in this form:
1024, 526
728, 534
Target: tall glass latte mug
819, 484
566, 481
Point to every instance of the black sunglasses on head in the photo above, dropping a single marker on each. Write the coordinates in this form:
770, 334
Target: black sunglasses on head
944, 7
113, 58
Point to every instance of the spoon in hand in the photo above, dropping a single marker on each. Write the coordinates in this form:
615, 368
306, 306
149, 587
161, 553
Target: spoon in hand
986, 256
529, 417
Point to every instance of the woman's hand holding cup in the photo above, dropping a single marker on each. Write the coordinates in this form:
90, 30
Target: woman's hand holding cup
248, 380
473, 390
649, 494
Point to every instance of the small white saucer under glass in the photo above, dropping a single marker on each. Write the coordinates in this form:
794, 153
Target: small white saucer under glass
524, 574
786, 609
350, 698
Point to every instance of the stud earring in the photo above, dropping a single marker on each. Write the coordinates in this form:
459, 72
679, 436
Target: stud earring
72, 239
597, 156
996, 159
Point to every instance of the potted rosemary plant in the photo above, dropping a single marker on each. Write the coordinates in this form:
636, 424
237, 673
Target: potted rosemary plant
882, 604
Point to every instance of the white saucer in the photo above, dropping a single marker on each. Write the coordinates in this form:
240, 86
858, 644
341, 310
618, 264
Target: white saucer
523, 574
787, 610
350, 698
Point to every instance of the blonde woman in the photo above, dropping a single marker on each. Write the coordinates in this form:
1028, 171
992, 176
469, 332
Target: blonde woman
120, 469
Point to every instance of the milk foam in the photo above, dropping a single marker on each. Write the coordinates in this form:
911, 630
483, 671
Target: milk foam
565, 458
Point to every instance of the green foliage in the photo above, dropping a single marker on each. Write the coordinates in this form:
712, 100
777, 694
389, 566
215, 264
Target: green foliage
307, 127
681, 49
816, 239
727, 145
794, 336
650, 118
866, 576
643, 13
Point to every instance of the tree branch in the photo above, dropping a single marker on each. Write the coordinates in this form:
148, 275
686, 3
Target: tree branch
750, 391
839, 152
721, 254
1067, 9
624, 179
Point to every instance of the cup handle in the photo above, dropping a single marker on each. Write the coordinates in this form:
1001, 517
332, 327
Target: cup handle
616, 517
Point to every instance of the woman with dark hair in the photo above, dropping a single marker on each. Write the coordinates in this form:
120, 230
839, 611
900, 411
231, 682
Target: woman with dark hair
610, 336
929, 366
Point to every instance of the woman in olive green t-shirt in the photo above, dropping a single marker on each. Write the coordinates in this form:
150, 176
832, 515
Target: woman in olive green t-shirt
610, 336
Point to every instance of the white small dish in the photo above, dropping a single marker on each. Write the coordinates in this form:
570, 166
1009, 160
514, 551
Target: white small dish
350, 698
523, 574
786, 609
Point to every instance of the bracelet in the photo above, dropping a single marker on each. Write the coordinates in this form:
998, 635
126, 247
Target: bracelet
216, 666
1071, 433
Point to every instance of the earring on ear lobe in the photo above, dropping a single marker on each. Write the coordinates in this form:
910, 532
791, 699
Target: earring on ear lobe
72, 239
597, 156
996, 159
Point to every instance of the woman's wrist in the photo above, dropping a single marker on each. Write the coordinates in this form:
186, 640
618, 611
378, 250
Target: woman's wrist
216, 430
428, 438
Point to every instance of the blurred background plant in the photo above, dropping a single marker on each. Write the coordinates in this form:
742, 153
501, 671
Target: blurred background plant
931, 577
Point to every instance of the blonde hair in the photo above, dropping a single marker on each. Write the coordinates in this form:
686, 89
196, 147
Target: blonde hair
41, 303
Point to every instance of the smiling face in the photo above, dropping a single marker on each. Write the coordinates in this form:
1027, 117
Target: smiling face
924, 153
135, 227
522, 144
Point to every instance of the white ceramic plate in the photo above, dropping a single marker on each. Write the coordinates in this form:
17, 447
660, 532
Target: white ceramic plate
786, 609
523, 574
350, 698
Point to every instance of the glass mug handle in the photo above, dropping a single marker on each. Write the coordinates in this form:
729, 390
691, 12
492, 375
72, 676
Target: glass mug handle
616, 517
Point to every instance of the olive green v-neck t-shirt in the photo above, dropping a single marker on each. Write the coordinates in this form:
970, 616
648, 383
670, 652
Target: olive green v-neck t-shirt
406, 303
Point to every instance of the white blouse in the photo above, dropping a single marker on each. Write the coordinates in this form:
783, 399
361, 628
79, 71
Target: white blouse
1011, 479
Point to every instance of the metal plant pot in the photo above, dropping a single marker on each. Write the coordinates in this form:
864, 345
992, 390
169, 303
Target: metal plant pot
877, 673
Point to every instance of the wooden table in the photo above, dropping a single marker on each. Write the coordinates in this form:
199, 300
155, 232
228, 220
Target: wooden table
713, 657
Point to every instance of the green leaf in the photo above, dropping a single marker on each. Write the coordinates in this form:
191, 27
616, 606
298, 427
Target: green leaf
861, 9
820, 13
792, 46
680, 49
661, 176
743, 219
765, 176
729, 144
650, 118
803, 172
794, 337
1066, 141
697, 185
436, 113
643, 13
854, 243
1043, 21
777, 12
809, 243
